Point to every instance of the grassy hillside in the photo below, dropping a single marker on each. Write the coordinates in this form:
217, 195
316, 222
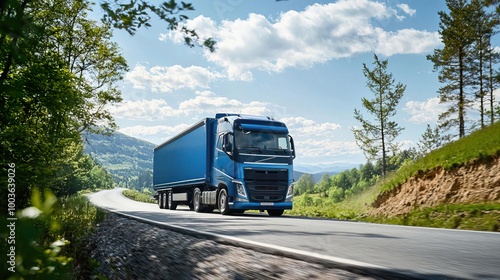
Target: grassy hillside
126, 158
480, 144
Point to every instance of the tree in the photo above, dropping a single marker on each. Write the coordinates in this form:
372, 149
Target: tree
341, 180
336, 194
304, 184
323, 185
431, 140
367, 171
457, 34
376, 139
137, 13
483, 55
58, 73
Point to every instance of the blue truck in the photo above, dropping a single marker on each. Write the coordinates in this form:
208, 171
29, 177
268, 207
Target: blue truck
231, 162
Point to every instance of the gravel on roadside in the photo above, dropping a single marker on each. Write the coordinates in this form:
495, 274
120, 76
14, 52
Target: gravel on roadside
129, 249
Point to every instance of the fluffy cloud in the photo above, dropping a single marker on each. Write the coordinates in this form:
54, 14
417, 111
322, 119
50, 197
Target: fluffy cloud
150, 110
407, 9
205, 102
300, 126
167, 131
301, 39
425, 112
166, 79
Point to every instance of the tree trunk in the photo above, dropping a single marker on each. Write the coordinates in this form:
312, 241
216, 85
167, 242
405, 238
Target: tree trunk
461, 99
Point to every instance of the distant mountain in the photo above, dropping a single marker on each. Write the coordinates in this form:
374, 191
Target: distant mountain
125, 157
317, 170
324, 168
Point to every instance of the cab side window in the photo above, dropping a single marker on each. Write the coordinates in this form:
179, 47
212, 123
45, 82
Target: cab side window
219, 142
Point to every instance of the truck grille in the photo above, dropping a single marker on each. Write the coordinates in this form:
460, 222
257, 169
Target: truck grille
266, 185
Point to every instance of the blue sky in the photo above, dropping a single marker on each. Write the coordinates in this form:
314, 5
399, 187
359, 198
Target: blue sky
297, 61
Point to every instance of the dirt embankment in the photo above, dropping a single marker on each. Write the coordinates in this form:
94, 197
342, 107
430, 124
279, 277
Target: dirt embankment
475, 182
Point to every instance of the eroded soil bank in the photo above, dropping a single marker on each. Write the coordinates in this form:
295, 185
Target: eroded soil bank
475, 182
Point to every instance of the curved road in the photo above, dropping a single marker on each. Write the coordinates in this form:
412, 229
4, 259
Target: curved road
430, 253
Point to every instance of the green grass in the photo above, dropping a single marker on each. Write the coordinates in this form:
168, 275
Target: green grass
485, 217
138, 196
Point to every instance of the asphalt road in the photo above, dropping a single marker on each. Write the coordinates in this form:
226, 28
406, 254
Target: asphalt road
427, 252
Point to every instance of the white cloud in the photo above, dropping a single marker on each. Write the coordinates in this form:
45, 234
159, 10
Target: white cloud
300, 126
208, 102
164, 130
156, 109
166, 79
205, 102
300, 39
407, 9
425, 112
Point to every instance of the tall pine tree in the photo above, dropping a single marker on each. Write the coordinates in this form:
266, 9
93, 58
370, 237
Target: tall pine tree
377, 139
454, 63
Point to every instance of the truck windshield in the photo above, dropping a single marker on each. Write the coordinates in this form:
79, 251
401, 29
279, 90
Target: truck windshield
262, 142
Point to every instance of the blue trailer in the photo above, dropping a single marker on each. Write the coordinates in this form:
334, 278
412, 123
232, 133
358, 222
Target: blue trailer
231, 162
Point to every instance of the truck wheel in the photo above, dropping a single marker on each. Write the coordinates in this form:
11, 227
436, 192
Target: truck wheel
275, 212
197, 200
165, 200
223, 203
171, 204
160, 200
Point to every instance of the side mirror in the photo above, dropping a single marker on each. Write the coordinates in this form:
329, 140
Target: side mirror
293, 146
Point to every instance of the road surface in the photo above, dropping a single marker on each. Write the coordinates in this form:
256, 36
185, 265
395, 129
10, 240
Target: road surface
427, 252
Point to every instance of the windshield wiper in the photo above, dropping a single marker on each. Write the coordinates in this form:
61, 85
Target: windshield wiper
255, 148
278, 149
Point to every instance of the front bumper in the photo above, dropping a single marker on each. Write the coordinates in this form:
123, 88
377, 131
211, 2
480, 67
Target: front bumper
260, 206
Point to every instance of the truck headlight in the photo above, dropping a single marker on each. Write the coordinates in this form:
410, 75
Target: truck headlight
289, 194
240, 189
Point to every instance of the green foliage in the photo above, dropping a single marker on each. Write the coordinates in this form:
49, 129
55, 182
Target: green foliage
129, 160
135, 14
50, 237
304, 184
466, 62
58, 73
377, 139
336, 194
431, 140
484, 217
139, 196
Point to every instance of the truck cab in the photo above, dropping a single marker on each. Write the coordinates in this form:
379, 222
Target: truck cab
253, 164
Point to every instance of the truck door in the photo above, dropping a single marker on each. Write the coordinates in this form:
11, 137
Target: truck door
224, 165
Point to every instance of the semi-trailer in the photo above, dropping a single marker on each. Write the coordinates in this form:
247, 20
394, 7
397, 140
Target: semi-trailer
231, 162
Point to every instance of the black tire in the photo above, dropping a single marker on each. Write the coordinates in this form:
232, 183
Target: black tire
171, 204
165, 200
197, 200
224, 202
160, 200
275, 212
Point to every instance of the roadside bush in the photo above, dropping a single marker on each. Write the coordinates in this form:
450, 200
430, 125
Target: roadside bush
336, 194
48, 236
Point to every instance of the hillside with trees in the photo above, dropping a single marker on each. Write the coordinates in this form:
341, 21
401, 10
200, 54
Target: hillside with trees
128, 159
